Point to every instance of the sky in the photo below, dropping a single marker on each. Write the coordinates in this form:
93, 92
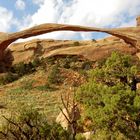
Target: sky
21, 14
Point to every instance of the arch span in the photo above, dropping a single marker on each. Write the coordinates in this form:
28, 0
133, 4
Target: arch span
129, 35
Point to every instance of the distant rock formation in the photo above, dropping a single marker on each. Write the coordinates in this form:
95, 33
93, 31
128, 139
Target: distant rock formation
87, 49
138, 21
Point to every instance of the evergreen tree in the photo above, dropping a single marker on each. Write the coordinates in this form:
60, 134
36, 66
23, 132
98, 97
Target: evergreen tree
109, 101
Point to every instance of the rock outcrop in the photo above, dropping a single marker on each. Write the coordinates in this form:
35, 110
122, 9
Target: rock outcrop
130, 35
138, 21
61, 119
92, 50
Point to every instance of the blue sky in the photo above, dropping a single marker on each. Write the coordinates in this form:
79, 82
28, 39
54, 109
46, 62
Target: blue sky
20, 14
29, 9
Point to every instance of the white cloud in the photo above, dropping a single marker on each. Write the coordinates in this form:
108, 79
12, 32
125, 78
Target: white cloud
37, 1
99, 13
23, 24
6, 19
129, 23
20, 4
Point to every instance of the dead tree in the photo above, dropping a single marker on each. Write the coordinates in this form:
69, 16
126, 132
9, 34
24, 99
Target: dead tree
71, 115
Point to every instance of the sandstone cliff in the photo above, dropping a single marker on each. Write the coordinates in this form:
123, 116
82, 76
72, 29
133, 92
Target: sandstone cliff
93, 50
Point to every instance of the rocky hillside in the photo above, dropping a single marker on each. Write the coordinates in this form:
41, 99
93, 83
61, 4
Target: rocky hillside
93, 49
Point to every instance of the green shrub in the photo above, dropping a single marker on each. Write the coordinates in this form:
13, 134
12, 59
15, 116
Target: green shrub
110, 103
114, 108
26, 68
36, 62
69, 60
94, 40
117, 68
87, 65
21, 69
76, 43
8, 78
50, 60
30, 124
54, 76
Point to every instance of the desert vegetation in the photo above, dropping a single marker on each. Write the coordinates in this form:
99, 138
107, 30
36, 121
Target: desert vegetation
18, 70
30, 124
105, 94
110, 100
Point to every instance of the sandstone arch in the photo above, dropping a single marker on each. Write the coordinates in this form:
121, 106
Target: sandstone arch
129, 35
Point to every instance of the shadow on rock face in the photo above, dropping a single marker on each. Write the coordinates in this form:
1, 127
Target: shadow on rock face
6, 62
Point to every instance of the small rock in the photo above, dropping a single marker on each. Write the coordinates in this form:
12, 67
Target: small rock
88, 135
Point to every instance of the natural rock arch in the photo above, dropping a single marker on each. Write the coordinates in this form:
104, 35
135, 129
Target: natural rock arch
129, 35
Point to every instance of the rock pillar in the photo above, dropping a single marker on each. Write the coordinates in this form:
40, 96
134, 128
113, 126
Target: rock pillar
138, 21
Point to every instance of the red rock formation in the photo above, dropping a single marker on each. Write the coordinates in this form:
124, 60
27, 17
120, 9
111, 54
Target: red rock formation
93, 50
129, 35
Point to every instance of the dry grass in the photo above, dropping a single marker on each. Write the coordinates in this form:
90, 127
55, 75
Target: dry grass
25, 92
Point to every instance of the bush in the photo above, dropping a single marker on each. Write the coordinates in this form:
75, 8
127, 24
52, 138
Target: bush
50, 60
37, 62
114, 108
94, 40
8, 78
30, 124
117, 68
21, 69
110, 103
87, 65
26, 68
76, 43
54, 75
69, 62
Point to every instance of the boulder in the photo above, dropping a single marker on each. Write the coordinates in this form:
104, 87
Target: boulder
61, 119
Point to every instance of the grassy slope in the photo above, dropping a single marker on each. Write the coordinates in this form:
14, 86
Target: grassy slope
19, 94
31, 90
